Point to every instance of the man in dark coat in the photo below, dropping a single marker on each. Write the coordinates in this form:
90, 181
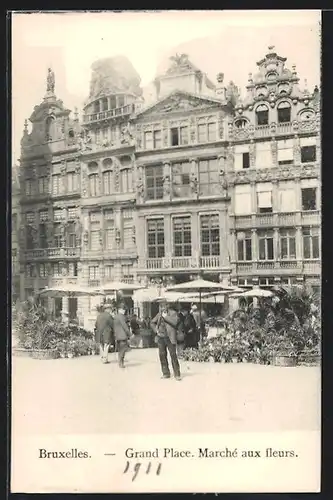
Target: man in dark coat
122, 334
191, 331
103, 332
165, 325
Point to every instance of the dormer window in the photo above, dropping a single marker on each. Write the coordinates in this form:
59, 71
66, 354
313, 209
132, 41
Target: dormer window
284, 112
283, 88
241, 123
262, 115
271, 76
261, 92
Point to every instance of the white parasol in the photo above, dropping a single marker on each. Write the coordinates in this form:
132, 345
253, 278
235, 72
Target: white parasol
67, 290
117, 286
257, 292
149, 294
73, 291
173, 297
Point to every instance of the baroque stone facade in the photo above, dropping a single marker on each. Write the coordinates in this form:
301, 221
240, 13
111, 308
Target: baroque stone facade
201, 182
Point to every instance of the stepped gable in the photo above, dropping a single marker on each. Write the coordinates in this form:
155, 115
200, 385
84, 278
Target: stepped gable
114, 75
274, 81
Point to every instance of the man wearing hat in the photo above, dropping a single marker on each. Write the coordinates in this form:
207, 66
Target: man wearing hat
165, 326
199, 320
103, 332
122, 334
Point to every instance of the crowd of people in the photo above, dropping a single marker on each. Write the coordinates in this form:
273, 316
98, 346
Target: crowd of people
171, 330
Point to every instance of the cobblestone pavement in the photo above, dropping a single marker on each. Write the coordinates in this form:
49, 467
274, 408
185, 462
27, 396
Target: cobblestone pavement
81, 396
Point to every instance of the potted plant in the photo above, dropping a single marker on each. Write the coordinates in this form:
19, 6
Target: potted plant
284, 352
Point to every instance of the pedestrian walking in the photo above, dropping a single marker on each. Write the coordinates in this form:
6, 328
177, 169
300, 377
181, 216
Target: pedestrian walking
165, 326
122, 334
135, 331
103, 332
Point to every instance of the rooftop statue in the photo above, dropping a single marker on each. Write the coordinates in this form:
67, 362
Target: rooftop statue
179, 62
50, 84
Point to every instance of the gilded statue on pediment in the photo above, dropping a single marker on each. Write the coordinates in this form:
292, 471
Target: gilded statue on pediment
179, 62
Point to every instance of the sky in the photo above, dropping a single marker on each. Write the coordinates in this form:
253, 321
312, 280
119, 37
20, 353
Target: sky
230, 42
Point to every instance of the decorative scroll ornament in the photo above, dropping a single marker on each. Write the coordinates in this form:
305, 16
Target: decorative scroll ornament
85, 238
126, 135
223, 182
116, 176
140, 189
118, 236
194, 184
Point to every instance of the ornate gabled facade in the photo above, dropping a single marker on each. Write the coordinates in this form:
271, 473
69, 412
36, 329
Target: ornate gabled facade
15, 234
50, 173
274, 141
201, 182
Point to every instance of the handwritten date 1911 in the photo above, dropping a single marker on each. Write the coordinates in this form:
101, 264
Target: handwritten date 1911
138, 466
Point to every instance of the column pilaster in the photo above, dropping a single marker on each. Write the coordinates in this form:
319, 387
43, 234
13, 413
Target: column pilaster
274, 152
194, 177
195, 237
168, 239
297, 150
299, 244
276, 243
255, 253
167, 181
224, 236
252, 154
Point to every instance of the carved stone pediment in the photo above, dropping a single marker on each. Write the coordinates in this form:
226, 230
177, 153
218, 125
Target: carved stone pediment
177, 102
49, 108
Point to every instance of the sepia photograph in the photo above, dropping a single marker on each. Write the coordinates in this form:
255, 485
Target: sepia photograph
166, 251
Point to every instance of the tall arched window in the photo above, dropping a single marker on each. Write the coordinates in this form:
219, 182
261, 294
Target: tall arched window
104, 104
49, 128
108, 187
211, 131
284, 112
96, 107
262, 115
126, 180
93, 185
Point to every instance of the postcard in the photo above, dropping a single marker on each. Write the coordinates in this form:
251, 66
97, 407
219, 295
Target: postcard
166, 272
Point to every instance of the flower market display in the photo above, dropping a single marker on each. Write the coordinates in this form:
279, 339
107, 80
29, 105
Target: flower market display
287, 326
